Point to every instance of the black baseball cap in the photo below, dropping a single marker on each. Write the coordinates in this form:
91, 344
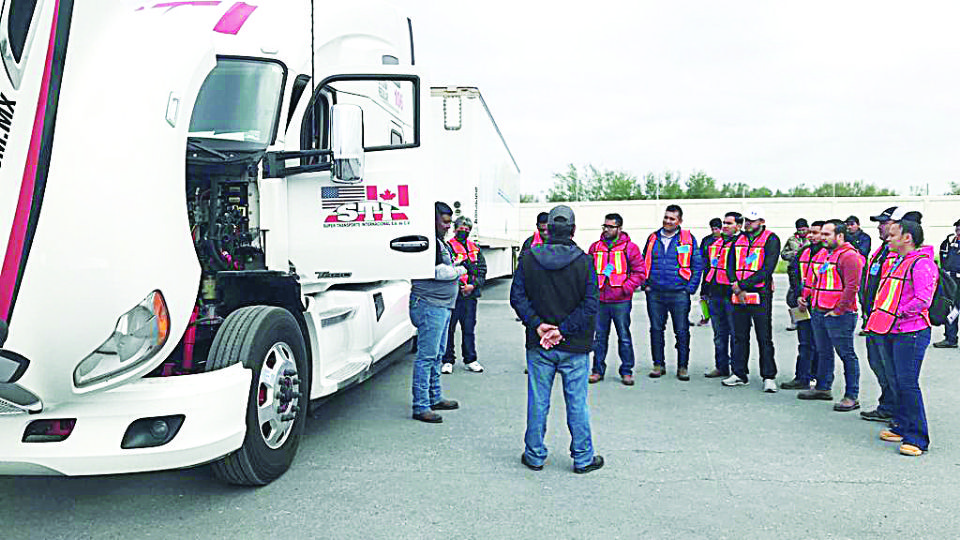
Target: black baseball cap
885, 215
852, 219
560, 214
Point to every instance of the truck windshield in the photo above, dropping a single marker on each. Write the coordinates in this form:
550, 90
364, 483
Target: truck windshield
239, 101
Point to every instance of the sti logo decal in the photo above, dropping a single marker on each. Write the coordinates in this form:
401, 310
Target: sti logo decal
351, 206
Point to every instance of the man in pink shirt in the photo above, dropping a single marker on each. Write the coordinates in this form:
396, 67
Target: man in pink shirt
901, 322
832, 302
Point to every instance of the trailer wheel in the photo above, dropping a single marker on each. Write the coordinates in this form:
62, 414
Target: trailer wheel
267, 340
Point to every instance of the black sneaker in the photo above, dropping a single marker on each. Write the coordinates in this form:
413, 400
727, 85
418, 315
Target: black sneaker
531, 466
594, 465
795, 384
876, 416
445, 405
945, 344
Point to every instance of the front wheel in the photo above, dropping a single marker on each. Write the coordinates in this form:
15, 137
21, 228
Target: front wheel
267, 340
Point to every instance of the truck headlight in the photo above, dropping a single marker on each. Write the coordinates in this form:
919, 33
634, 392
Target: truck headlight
139, 334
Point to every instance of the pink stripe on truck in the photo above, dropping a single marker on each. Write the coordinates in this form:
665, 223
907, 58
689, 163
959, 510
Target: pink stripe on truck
234, 18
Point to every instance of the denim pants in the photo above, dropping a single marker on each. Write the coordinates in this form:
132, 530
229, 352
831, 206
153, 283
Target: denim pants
543, 366
761, 318
950, 330
721, 319
806, 352
619, 314
905, 352
464, 313
882, 366
431, 321
677, 304
836, 334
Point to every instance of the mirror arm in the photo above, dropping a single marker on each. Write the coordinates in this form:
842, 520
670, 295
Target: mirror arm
274, 163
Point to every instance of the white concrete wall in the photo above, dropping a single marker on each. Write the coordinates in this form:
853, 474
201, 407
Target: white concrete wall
640, 218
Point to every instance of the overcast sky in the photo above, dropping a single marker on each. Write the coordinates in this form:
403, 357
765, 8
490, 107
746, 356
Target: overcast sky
767, 92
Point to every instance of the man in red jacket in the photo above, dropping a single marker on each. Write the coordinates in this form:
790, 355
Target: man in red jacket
618, 264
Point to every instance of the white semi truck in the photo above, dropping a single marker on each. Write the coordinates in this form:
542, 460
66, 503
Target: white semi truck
209, 216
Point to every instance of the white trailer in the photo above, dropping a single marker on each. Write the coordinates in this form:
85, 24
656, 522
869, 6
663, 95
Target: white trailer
209, 219
479, 176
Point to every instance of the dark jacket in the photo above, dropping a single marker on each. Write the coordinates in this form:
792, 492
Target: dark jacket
712, 288
476, 272
664, 271
870, 280
555, 284
861, 241
950, 254
771, 255
793, 273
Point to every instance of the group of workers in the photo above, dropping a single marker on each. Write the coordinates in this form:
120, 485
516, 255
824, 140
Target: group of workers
567, 300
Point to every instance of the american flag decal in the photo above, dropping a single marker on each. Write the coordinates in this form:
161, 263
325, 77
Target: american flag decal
333, 197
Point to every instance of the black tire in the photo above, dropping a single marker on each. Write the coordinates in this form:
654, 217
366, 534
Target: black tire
248, 335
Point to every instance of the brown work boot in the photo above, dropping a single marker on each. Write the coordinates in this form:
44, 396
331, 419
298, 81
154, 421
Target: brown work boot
657, 371
595, 378
429, 417
682, 374
627, 380
824, 395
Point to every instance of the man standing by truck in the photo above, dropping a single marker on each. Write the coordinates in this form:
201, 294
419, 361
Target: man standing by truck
539, 236
716, 291
832, 302
950, 261
554, 292
465, 312
750, 266
431, 301
618, 264
672, 266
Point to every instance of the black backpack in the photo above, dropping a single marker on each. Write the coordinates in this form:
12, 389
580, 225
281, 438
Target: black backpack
945, 299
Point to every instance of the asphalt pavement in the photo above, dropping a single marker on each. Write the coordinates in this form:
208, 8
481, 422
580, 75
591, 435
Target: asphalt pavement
684, 460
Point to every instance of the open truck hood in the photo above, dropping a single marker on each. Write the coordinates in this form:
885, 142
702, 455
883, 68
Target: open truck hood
92, 212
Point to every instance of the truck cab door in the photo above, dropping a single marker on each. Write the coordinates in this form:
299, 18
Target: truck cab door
360, 208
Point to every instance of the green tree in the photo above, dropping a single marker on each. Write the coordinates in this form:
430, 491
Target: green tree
954, 189
528, 198
568, 186
701, 186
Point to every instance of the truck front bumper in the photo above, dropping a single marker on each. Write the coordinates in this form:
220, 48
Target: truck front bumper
214, 406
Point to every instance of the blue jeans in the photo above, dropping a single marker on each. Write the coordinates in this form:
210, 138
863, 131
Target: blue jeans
950, 330
905, 353
619, 313
882, 366
806, 352
543, 366
431, 321
836, 333
721, 319
465, 313
677, 304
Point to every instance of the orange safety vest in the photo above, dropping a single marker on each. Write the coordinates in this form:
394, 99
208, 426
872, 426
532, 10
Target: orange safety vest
717, 251
749, 255
537, 239
887, 302
470, 252
684, 254
806, 276
602, 256
827, 283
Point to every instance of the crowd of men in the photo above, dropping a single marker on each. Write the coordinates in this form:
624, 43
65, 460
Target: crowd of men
568, 299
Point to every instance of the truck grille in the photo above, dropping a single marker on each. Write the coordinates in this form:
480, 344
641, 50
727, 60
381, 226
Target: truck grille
7, 409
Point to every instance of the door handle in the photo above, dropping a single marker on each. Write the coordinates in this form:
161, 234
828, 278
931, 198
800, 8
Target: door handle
410, 244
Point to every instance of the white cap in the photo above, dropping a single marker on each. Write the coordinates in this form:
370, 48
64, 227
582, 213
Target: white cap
753, 214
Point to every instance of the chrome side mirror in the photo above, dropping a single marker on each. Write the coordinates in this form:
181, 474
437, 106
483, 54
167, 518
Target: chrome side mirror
347, 143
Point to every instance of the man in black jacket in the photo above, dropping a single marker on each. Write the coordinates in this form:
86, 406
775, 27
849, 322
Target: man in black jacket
798, 270
554, 293
950, 261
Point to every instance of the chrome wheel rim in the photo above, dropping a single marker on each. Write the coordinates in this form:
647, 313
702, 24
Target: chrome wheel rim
278, 395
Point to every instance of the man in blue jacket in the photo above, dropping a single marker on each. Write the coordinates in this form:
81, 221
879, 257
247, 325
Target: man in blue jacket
673, 266
554, 293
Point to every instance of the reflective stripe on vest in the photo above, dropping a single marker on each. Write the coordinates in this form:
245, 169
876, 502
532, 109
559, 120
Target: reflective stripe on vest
602, 256
827, 283
684, 254
460, 254
717, 252
887, 302
750, 255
